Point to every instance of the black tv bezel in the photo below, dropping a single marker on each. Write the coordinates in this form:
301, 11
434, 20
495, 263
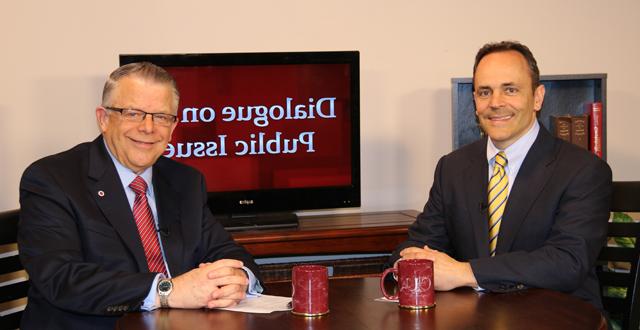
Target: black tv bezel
279, 200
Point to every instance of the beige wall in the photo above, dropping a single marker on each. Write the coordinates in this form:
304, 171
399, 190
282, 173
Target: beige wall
55, 55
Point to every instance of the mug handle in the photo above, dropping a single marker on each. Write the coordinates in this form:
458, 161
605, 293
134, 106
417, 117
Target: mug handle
384, 274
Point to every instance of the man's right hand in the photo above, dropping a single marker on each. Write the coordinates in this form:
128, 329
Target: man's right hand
448, 272
194, 289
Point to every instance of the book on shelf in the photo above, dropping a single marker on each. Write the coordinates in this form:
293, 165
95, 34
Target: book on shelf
562, 127
594, 110
572, 128
580, 131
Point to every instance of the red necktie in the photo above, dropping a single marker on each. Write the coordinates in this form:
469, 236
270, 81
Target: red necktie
146, 227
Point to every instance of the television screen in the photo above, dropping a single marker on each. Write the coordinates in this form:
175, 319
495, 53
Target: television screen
269, 131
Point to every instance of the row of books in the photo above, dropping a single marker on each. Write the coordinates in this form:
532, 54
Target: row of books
582, 130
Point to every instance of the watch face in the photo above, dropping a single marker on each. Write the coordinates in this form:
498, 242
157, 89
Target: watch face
164, 286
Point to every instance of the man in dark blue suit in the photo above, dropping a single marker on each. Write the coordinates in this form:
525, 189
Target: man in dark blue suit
110, 226
518, 208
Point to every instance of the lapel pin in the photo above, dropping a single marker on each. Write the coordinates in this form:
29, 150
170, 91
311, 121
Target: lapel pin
100, 193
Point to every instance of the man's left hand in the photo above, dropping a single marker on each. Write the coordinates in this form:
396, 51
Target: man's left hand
232, 285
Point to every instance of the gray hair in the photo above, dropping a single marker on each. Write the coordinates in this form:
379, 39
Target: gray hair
143, 70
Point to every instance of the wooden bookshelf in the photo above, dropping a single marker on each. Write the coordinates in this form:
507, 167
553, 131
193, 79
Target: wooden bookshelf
565, 94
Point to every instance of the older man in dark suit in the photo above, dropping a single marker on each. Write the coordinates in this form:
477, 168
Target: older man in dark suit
110, 226
518, 208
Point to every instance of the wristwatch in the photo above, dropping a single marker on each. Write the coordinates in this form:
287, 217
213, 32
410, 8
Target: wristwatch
165, 286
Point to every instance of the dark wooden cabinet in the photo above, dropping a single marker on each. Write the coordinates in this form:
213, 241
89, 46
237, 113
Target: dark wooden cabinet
336, 234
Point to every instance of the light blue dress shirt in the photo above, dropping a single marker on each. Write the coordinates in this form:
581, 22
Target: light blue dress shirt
126, 177
515, 154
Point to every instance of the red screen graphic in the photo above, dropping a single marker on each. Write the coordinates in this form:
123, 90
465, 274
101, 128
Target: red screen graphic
256, 127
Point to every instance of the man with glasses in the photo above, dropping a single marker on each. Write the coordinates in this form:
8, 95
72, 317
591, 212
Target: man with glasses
110, 226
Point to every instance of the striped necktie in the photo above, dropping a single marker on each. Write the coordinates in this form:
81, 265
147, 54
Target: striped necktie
146, 226
498, 193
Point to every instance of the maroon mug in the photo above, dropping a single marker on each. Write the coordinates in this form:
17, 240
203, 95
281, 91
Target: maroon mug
310, 290
415, 283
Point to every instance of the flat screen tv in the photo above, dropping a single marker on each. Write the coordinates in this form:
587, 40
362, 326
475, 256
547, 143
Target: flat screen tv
272, 133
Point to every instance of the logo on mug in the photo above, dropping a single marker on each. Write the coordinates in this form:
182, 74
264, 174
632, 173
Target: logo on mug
416, 285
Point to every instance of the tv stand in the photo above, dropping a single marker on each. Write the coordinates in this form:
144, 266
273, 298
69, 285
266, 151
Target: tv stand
238, 222
334, 234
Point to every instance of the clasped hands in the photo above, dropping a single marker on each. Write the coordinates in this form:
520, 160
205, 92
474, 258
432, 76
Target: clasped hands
448, 273
222, 283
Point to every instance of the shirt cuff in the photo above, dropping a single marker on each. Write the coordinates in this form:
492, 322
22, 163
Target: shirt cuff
254, 288
149, 302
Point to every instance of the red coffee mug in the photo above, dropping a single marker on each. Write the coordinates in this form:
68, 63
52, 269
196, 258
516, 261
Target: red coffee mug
415, 283
310, 290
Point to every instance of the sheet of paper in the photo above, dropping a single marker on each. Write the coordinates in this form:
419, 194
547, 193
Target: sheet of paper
383, 299
261, 304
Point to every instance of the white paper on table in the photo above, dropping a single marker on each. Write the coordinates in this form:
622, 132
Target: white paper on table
383, 299
261, 304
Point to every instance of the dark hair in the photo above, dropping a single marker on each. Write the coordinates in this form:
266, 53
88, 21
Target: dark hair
504, 46
143, 70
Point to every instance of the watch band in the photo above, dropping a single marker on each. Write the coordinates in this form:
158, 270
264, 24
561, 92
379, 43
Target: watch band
165, 286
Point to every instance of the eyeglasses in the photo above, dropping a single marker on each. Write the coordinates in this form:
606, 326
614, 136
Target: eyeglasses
137, 116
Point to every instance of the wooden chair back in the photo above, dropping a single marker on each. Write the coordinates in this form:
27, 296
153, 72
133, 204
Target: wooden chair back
618, 261
14, 282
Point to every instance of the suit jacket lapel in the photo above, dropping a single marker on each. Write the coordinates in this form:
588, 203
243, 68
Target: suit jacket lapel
476, 180
534, 173
168, 206
106, 188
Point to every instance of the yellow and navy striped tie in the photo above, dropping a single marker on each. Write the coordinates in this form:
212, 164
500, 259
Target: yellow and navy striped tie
498, 193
